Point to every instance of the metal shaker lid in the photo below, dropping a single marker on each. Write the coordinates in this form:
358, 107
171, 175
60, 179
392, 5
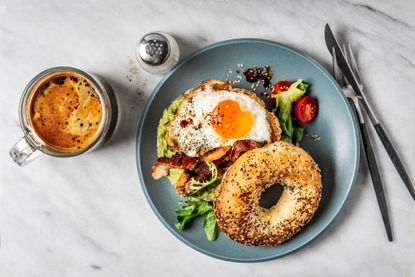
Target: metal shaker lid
154, 49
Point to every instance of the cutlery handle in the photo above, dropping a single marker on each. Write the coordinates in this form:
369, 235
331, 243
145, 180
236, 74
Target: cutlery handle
376, 179
373, 169
393, 154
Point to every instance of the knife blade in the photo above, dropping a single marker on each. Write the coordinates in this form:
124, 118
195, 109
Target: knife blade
332, 43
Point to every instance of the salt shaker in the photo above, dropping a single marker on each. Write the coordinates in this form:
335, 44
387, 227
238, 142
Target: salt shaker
158, 52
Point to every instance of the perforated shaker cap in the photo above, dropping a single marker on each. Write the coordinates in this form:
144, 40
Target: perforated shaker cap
154, 49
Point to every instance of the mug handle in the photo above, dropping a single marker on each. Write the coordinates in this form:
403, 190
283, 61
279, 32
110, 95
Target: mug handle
21, 151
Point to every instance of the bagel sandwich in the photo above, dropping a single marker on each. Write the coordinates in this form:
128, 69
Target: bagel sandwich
205, 129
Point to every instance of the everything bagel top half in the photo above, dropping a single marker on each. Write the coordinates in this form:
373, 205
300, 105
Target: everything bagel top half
236, 203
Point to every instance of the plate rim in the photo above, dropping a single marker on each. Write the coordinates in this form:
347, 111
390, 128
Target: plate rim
150, 99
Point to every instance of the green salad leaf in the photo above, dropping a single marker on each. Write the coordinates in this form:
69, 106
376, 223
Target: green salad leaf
195, 186
298, 133
291, 130
208, 193
203, 190
193, 208
285, 100
210, 226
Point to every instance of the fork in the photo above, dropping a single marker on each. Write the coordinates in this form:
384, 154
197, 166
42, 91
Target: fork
370, 155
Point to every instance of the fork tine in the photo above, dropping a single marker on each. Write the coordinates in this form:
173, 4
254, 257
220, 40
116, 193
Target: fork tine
353, 64
346, 54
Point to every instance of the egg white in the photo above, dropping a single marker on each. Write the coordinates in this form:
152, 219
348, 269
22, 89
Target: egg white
198, 136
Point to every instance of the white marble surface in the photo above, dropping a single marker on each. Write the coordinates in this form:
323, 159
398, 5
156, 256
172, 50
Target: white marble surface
87, 216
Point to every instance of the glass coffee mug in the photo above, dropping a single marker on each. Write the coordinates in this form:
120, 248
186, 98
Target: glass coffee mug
64, 112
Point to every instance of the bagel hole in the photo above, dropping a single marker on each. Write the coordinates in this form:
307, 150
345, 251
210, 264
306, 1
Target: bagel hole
270, 196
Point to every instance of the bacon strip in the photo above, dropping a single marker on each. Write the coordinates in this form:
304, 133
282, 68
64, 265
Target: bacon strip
241, 146
162, 166
181, 185
201, 172
216, 153
197, 168
160, 169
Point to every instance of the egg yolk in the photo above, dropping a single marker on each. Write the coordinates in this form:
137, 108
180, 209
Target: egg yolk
230, 121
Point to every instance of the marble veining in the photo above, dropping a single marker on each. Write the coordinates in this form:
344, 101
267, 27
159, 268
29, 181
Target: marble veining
87, 216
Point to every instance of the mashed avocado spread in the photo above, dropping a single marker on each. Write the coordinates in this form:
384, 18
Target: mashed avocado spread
163, 150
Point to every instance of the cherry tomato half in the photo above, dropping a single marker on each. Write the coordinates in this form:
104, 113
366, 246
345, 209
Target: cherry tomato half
281, 86
305, 109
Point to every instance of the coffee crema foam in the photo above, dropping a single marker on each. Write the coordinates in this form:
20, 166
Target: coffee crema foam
66, 112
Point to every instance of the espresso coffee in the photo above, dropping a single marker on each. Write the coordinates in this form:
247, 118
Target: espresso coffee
66, 112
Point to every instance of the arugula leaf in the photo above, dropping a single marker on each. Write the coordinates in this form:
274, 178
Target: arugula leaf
211, 226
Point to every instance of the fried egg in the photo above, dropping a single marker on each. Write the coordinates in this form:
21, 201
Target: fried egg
215, 114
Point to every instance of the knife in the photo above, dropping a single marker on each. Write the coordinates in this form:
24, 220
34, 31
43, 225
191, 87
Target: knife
332, 43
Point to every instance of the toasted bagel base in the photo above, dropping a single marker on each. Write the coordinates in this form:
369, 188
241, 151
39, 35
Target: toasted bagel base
236, 203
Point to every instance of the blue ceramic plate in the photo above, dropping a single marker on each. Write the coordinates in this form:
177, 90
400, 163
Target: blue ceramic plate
337, 151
